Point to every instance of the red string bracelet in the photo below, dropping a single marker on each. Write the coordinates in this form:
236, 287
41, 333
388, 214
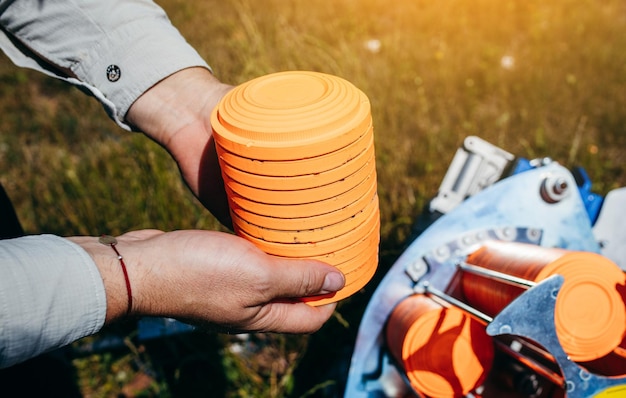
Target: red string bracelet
111, 241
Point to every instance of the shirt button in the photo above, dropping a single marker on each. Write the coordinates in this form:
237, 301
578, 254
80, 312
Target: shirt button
113, 73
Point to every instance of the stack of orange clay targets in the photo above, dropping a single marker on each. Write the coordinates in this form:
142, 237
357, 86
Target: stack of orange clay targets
296, 151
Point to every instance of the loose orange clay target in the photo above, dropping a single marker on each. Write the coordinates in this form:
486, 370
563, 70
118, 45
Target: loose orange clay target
590, 315
444, 352
296, 151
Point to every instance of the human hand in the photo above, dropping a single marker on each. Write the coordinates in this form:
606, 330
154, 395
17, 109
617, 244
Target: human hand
213, 279
176, 113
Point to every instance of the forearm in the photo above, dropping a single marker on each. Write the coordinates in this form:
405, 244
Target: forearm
142, 262
161, 85
79, 40
54, 291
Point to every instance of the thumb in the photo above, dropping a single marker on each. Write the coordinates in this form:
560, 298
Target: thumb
301, 278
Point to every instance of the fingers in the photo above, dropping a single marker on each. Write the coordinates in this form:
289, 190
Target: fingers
301, 278
294, 317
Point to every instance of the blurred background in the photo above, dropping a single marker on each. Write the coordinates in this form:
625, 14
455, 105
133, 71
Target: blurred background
532, 77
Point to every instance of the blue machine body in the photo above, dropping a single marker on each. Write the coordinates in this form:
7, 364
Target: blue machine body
538, 202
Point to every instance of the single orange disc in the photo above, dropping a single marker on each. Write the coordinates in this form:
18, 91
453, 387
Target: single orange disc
318, 221
298, 167
303, 209
444, 352
290, 115
301, 182
301, 196
590, 314
306, 234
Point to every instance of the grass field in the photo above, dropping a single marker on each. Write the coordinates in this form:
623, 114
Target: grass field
535, 78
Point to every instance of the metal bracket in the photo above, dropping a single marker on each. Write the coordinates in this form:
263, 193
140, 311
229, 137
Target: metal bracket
476, 165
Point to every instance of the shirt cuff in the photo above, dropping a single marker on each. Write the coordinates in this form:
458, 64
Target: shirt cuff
133, 58
51, 294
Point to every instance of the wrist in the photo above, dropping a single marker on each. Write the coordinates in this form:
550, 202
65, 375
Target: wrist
123, 277
111, 241
180, 100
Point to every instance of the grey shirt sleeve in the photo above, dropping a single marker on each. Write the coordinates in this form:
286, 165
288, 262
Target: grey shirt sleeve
51, 294
113, 49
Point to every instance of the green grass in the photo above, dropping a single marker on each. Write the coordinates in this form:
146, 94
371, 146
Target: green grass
437, 77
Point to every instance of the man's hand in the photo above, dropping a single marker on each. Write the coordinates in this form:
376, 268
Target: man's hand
215, 279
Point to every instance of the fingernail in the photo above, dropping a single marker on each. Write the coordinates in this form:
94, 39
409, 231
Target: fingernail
333, 282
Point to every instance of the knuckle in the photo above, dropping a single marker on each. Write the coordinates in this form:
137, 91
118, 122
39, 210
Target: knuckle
309, 283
